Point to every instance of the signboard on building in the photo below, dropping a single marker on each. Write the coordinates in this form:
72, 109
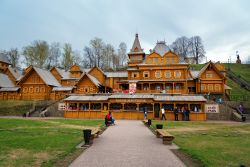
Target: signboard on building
61, 106
211, 108
132, 87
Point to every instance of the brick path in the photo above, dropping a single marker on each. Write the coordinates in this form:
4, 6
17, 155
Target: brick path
127, 144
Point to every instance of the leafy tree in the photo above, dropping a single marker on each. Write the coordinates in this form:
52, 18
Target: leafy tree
54, 55
68, 57
36, 54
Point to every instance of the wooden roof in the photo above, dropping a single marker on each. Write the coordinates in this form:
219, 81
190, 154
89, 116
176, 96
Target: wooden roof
162, 98
5, 81
45, 75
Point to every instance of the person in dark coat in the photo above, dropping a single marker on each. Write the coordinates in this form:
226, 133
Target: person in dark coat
187, 114
176, 111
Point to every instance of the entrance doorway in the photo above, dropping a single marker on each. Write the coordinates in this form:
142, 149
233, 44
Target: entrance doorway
156, 110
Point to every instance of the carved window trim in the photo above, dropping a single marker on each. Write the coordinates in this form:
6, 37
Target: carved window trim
157, 74
168, 74
177, 74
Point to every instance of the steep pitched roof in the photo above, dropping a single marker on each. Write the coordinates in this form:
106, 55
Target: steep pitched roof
64, 74
136, 45
15, 72
5, 81
9, 89
210, 63
161, 48
4, 59
96, 68
194, 73
45, 75
92, 79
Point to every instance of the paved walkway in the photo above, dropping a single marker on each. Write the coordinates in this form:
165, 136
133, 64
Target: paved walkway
127, 144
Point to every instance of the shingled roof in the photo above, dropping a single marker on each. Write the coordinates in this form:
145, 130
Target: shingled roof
15, 72
5, 81
136, 45
161, 48
117, 74
47, 77
4, 59
94, 80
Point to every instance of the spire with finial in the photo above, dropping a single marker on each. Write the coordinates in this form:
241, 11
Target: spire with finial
136, 46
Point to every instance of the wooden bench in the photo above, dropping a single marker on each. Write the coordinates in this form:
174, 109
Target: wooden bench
94, 134
145, 122
167, 138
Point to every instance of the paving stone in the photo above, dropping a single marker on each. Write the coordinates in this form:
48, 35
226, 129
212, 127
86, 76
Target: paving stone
127, 144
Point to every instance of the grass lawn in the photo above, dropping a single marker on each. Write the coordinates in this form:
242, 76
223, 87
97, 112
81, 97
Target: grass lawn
242, 70
214, 144
26, 142
237, 92
14, 107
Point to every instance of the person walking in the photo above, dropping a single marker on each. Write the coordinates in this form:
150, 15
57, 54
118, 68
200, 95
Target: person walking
163, 114
145, 113
183, 111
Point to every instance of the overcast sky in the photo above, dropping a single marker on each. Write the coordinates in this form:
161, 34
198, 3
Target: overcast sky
224, 25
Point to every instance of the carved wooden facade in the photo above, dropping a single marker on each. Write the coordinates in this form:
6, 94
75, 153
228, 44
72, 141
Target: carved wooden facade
161, 71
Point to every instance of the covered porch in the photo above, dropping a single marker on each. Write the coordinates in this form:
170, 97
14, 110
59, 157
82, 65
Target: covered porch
132, 106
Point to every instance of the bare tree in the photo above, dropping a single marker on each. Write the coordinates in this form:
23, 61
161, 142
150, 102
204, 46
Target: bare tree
122, 53
181, 46
108, 52
68, 57
197, 49
54, 55
104, 55
77, 58
88, 55
14, 57
97, 48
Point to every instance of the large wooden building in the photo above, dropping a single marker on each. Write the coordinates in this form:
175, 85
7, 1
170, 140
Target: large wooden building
158, 79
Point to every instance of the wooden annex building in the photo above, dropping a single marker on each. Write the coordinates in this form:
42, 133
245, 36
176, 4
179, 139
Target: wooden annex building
158, 79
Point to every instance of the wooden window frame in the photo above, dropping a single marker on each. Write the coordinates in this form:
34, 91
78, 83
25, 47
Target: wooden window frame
135, 75
217, 87
209, 75
146, 73
168, 72
177, 72
86, 90
210, 87
37, 89
156, 60
156, 72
